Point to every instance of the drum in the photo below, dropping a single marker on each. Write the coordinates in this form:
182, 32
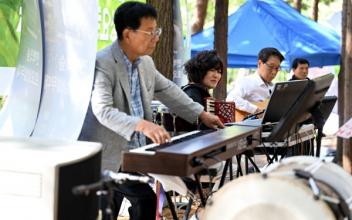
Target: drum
299, 188
171, 122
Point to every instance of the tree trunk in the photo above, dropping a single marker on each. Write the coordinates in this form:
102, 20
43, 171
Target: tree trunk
298, 5
347, 87
163, 54
220, 43
341, 81
315, 9
201, 14
340, 105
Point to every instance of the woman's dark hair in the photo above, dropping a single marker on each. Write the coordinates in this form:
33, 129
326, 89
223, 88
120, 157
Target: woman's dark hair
198, 66
129, 15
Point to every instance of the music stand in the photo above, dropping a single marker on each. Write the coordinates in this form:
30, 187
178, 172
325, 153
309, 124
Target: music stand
284, 95
302, 109
325, 108
282, 98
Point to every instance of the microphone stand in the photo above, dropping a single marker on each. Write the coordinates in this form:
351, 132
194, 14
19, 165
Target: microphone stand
104, 190
106, 196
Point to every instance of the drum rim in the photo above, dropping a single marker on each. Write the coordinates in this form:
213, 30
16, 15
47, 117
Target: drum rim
338, 174
251, 180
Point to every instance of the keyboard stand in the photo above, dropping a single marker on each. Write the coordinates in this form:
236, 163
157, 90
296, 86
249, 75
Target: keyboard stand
228, 165
188, 209
171, 206
239, 167
249, 155
198, 187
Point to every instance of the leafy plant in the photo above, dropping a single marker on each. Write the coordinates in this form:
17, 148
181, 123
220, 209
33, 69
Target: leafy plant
1, 102
325, 6
9, 19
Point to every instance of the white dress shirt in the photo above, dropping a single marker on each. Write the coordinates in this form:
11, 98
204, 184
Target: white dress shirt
249, 89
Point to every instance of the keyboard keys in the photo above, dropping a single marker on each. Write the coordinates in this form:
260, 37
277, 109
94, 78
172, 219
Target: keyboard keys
185, 138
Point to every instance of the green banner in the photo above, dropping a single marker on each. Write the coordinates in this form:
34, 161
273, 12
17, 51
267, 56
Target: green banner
106, 11
9, 36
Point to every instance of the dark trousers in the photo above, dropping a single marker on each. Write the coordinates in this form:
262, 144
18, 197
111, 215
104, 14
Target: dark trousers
141, 196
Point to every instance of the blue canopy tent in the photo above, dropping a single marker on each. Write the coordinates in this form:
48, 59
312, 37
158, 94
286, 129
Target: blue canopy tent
273, 23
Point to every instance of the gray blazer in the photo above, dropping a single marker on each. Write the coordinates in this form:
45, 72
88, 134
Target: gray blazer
108, 118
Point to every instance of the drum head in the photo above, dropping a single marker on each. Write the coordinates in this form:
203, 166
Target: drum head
339, 182
275, 198
297, 162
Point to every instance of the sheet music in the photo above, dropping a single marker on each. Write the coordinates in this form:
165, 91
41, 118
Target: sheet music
346, 130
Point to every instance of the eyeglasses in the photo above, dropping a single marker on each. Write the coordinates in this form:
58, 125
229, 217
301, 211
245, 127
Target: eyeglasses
271, 68
152, 34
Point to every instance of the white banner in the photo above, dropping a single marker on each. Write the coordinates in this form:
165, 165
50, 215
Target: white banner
19, 114
71, 33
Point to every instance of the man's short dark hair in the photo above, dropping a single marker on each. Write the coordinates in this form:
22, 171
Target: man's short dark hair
298, 61
198, 66
266, 53
129, 14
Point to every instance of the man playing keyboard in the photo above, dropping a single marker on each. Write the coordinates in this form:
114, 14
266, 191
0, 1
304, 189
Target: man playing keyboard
119, 115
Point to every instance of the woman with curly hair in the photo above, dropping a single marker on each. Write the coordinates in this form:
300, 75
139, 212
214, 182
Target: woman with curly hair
204, 72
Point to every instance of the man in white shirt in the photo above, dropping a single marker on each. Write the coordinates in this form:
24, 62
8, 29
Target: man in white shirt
258, 86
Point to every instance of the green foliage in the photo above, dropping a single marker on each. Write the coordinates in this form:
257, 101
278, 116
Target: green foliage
1, 102
9, 19
209, 20
306, 3
326, 7
327, 2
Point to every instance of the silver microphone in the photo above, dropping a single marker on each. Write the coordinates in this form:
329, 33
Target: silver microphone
121, 177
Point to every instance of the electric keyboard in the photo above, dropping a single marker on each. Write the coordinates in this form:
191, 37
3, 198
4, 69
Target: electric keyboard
191, 152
